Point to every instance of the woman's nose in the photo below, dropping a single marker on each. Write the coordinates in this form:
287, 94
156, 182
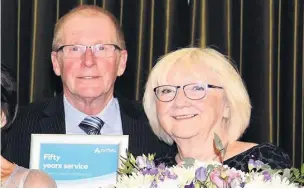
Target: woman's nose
181, 99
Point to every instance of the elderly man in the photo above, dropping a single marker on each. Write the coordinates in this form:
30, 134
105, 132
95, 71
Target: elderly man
88, 54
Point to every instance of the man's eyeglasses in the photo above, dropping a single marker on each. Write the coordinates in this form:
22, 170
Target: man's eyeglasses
99, 50
193, 91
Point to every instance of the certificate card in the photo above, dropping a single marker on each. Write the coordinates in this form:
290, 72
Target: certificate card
78, 160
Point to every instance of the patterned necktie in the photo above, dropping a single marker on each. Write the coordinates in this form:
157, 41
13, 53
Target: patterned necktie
91, 125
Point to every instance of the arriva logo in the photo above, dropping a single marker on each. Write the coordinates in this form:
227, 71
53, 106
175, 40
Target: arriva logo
104, 150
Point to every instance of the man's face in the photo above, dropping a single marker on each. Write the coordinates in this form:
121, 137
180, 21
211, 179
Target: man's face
88, 77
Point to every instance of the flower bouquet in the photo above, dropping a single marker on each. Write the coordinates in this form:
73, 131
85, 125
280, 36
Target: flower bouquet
142, 172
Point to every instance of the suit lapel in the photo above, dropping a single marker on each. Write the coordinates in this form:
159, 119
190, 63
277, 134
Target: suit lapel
128, 115
127, 123
53, 121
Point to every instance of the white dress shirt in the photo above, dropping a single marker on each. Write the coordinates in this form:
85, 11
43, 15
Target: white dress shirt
110, 115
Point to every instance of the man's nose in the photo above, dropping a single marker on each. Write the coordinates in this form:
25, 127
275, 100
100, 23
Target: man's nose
181, 100
88, 58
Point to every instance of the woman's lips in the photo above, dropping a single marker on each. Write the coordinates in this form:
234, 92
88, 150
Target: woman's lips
188, 116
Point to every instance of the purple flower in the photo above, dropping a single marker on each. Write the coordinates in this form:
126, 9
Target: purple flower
172, 176
161, 177
140, 162
267, 176
259, 163
145, 171
150, 164
153, 171
166, 172
201, 174
149, 171
163, 174
251, 164
242, 185
190, 185
255, 164
162, 166
153, 184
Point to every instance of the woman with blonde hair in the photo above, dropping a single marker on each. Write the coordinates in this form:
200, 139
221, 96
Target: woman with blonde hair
12, 175
191, 95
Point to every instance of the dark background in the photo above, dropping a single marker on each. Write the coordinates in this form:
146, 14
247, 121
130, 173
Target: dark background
263, 37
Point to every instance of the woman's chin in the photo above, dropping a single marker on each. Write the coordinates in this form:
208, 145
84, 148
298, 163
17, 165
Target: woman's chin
184, 135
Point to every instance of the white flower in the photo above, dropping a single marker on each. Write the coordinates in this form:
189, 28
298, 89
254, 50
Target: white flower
169, 183
184, 175
257, 181
136, 180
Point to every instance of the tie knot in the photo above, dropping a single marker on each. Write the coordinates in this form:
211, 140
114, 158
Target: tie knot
91, 125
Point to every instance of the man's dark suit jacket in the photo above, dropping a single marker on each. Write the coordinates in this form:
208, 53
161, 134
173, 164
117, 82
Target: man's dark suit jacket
48, 118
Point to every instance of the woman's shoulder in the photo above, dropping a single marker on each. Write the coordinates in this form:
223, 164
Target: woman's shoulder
29, 178
38, 179
268, 153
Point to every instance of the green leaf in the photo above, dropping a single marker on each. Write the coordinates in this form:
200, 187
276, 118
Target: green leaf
210, 167
223, 152
123, 171
210, 185
188, 162
266, 167
302, 169
128, 164
301, 180
123, 159
197, 185
292, 179
296, 172
132, 159
151, 157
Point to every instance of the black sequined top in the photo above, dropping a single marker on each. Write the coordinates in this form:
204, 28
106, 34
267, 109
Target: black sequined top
266, 152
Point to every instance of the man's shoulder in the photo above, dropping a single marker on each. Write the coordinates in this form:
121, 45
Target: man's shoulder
36, 108
132, 108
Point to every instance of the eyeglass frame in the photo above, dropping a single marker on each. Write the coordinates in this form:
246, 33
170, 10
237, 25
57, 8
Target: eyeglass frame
179, 86
116, 47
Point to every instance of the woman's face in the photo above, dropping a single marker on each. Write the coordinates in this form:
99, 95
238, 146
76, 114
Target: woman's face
185, 118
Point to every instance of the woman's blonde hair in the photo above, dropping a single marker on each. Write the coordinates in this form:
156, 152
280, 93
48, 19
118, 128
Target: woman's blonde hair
235, 91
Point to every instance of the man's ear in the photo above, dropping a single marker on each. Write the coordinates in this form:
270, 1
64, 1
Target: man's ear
55, 63
122, 62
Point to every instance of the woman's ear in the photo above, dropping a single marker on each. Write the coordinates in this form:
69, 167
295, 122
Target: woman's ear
3, 119
226, 110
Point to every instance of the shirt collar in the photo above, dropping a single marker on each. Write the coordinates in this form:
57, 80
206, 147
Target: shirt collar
71, 113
